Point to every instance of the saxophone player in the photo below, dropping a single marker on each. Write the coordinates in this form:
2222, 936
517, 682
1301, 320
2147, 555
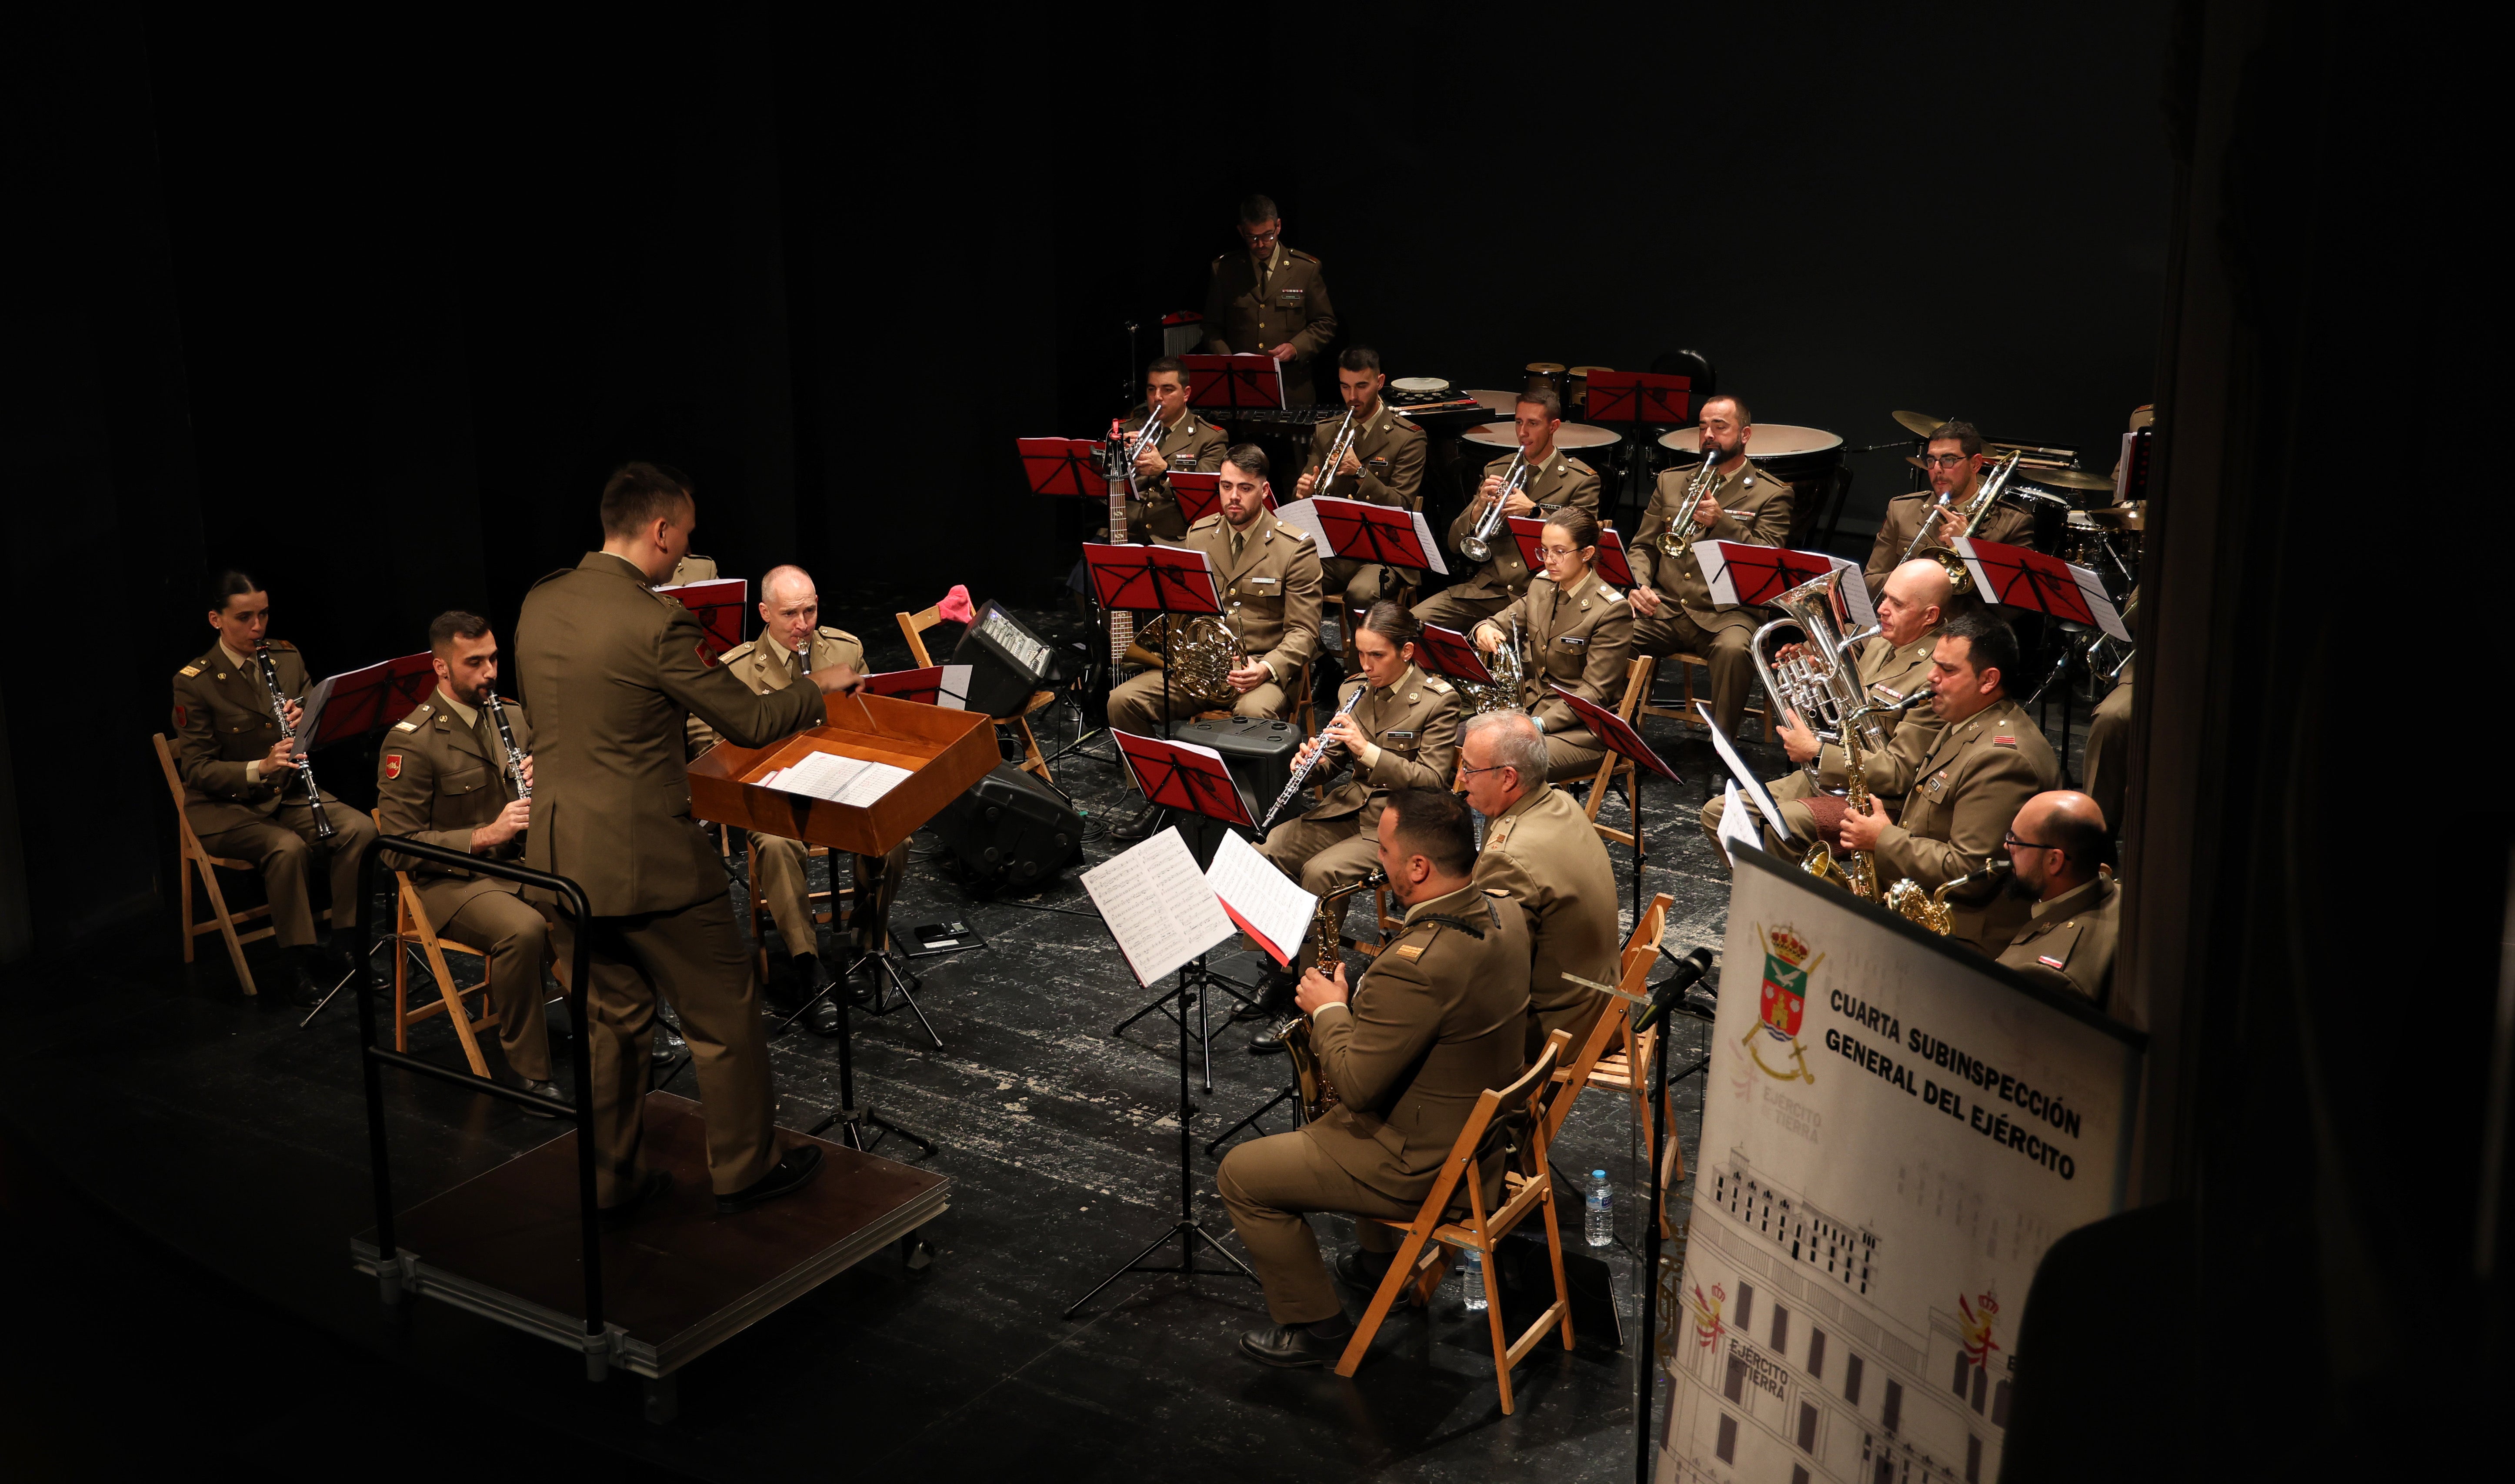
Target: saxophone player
1440, 1015
1726, 497
1952, 459
1382, 462
1576, 632
1552, 481
443, 776
1398, 729
1185, 442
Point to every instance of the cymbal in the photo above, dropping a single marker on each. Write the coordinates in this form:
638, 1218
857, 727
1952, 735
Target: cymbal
2065, 478
2121, 517
1920, 423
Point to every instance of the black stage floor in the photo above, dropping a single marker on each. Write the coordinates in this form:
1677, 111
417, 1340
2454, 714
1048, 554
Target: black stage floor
210, 1136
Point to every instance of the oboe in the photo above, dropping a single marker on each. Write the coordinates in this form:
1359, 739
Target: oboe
1302, 774
506, 736
288, 734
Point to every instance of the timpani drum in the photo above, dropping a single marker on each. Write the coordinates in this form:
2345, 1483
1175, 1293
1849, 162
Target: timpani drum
1500, 403
1579, 439
1578, 401
1420, 384
1552, 371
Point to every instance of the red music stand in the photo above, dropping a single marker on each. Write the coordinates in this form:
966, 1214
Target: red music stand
1064, 466
1386, 535
1198, 495
1449, 652
1529, 531
1624, 741
718, 604
1752, 576
1154, 579
361, 701
929, 686
1182, 776
2024, 579
1231, 383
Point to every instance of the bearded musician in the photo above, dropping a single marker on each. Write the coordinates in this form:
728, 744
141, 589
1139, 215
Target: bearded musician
1382, 464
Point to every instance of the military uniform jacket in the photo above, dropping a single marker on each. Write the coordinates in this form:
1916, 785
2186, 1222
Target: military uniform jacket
1562, 480
1391, 451
1959, 798
613, 670
2006, 521
1415, 726
1270, 593
437, 780
1192, 444
1542, 854
1249, 312
1889, 675
223, 727
766, 667
1754, 510
690, 569
1580, 637
2069, 943
1439, 1017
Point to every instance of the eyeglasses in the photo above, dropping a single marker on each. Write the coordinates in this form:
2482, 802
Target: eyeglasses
2010, 839
1560, 551
1944, 460
1254, 237
1466, 771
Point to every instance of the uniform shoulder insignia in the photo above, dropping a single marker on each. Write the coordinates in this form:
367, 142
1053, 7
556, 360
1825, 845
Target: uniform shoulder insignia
1402, 421
1576, 464
1207, 523
1410, 952
829, 633
191, 669
546, 577
1295, 252
1435, 683
740, 651
507, 700
1498, 893
1612, 594
281, 644
1299, 534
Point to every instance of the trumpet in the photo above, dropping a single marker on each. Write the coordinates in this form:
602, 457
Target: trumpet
1338, 447
1477, 546
507, 737
304, 766
1678, 539
1318, 1094
1301, 774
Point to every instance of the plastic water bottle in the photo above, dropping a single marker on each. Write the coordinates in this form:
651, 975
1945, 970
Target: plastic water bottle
1602, 1211
1471, 1278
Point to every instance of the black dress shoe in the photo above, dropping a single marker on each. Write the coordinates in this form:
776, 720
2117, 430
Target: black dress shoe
309, 977
1144, 826
1364, 1269
791, 1173
345, 961
826, 1018
650, 1191
1295, 1346
539, 1089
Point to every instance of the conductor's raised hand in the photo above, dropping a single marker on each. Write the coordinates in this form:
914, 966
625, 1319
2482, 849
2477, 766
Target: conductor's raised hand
1319, 990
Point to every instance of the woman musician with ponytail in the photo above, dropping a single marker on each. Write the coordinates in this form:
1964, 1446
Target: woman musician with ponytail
1398, 729
1576, 632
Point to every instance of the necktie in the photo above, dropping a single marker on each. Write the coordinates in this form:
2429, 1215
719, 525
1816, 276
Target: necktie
1238, 539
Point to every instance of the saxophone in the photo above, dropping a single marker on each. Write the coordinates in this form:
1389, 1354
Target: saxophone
1857, 872
1931, 910
1317, 1093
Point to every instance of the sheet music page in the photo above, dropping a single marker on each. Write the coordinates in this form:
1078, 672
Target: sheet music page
1431, 548
954, 695
854, 781
1737, 826
1157, 905
1271, 905
1304, 515
313, 703
1855, 592
1747, 780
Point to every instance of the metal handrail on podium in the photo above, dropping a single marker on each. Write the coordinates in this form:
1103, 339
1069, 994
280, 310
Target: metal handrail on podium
573, 901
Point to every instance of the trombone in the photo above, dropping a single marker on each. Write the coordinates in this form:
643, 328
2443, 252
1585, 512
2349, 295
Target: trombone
1477, 546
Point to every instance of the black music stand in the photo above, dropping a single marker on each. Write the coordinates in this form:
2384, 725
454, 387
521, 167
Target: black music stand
1192, 780
1645, 399
1622, 740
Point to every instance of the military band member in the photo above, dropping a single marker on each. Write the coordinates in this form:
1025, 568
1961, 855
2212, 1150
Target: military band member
1673, 605
1555, 480
1186, 442
2056, 845
1402, 733
614, 668
1575, 631
2109, 738
1893, 664
1269, 301
1440, 1015
1962, 784
790, 612
244, 789
1953, 461
1542, 852
442, 776
1383, 465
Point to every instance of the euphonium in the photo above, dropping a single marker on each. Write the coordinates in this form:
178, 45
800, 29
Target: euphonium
1857, 872
1931, 910
1822, 686
1678, 539
1477, 546
1318, 1094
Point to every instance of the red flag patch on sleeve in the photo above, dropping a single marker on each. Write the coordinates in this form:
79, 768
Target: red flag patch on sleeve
2004, 741
183, 716
706, 655
393, 764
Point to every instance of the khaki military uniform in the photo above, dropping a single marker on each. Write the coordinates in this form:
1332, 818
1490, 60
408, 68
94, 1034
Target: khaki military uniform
1579, 638
439, 776
1543, 854
1414, 731
692, 569
1251, 305
224, 728
1391, 451
1962, 789
2108, 754
1887, 674
613, 669
1272, 587
1440, 1017
1754, 510
2006, 521
781, 885
1192, 444
2068, 943
1561, 481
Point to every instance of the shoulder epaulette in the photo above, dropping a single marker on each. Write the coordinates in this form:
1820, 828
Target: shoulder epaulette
1207, 522
1613, 593
1295, 252
281, 644
1435, 683
193, 668
829, 633
1401, 420
1299, 534
418, 714
546, 577
741, 649
1576, 464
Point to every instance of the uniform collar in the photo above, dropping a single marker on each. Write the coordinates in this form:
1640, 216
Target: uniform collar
234, 659
617, 565
1573, 592
1407, 678
1187, 415
2077, 899
469, 716
1528, 800
1455, 904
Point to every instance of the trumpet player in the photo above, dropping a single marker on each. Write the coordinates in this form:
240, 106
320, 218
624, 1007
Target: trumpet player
1379, 458
1727, 497
1953, 460
1268, 576
445, 776
247, 794
1396, 727
1893, 665
1440, 1017
1540, 479
1575, 631
1185, 441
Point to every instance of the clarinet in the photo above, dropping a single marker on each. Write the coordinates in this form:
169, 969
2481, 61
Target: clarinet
1301, 774
304, 766
506, 736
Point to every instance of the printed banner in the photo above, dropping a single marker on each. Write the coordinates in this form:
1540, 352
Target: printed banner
1893, 1132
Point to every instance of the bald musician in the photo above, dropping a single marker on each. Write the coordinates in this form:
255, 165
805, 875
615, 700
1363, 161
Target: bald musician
2056, 846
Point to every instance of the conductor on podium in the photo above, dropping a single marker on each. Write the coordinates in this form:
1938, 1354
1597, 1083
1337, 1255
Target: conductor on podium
613, 669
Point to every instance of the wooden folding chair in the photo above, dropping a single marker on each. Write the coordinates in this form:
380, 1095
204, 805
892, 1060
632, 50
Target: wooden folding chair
1612, 1057
1684, 711
1637, 684
763, 921
192, 857
912, 626
1424, 1256
413, 932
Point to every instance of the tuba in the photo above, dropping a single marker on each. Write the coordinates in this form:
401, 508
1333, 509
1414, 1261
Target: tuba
1318, 1094
1931, 910
1822, 681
